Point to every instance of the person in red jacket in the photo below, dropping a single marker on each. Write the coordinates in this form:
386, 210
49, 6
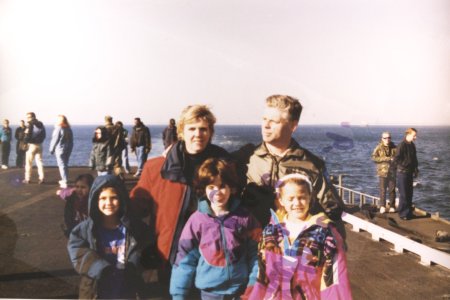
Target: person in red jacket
164, 191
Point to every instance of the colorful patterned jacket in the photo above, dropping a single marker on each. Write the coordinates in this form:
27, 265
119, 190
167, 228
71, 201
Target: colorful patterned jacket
312, 267
219, 253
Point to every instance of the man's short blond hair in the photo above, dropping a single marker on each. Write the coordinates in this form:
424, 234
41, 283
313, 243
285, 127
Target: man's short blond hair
194, 113
286, 103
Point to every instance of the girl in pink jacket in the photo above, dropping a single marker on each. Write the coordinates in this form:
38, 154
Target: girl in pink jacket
301, 256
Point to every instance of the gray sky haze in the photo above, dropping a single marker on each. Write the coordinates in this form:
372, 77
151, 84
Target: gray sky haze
359, 61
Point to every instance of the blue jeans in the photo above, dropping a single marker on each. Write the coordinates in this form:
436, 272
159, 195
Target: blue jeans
405, 189
62, 159
125, 161
141, 158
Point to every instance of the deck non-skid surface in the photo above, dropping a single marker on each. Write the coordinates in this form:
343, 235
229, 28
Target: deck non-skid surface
34, 261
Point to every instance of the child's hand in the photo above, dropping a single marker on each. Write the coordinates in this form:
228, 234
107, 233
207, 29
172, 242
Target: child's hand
272, 235
150, 276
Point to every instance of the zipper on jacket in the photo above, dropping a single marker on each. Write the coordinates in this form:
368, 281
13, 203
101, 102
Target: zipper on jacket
274, 176
225, 251
127, 245
178, 227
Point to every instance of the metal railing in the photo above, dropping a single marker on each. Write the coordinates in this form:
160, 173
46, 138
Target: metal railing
353, 197
401, 243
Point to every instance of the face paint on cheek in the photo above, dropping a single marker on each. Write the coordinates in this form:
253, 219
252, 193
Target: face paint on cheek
212, 194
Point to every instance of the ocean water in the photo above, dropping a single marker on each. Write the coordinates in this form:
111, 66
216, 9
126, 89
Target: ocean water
345, 149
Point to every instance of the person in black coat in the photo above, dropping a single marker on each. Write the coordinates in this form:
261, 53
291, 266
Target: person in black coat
407, 169
169, 135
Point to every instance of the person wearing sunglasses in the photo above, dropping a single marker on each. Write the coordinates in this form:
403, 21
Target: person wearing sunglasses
383, 156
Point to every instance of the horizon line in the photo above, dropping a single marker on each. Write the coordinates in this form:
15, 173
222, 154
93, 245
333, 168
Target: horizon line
343, 124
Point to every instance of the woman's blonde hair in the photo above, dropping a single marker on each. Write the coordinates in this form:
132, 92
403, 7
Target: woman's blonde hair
194, 113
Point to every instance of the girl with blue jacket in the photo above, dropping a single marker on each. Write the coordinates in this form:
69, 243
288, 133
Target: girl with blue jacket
217, 250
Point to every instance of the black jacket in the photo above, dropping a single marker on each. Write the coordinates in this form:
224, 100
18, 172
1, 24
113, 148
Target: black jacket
35, 133
406, 158
141, 137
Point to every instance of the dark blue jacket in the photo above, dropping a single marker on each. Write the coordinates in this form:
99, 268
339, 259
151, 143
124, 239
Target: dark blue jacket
406, 158
35, 133
83, 247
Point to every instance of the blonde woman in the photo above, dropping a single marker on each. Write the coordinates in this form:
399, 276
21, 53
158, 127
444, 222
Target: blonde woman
165, 188
61, 145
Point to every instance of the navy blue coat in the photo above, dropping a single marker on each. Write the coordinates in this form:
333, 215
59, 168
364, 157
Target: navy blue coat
83, 247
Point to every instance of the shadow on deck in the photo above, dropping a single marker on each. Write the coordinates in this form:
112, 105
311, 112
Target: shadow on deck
34, 261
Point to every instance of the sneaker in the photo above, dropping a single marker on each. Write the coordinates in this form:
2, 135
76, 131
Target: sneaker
137, 175
25, 181
127, 171
4, 167
382, 210
40, 181
62, 184
392, 210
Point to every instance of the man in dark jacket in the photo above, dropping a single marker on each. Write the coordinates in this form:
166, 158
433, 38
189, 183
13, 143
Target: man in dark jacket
407, 168
21, 145
34, 136
141, 143
169, 135
278, 155
383, 155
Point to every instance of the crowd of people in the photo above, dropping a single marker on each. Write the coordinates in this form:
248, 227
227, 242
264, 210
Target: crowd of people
263, 222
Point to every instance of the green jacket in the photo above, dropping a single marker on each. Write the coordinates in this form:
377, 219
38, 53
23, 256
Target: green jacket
264, 170
383, 156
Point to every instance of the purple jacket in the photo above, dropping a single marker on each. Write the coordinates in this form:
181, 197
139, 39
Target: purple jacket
219, 253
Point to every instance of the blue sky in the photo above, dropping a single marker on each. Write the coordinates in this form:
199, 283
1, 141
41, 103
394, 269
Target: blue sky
358, 61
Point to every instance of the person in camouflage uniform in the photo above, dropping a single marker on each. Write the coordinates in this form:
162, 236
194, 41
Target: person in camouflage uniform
383, 155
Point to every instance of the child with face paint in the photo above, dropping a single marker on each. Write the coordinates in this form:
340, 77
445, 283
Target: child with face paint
301, 255
217, 250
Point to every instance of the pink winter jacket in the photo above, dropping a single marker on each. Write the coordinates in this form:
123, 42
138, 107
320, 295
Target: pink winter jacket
313, 266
